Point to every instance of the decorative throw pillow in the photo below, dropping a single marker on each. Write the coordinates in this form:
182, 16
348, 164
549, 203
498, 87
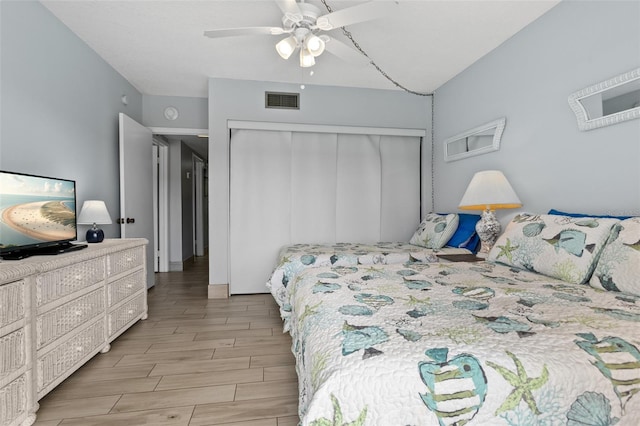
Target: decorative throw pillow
435, 230
562, 247
465, 232
618, 268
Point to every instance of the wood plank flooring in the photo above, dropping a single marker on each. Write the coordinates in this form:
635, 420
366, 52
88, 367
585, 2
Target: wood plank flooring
194, 361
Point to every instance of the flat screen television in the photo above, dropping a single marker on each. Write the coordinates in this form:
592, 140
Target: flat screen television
37, 215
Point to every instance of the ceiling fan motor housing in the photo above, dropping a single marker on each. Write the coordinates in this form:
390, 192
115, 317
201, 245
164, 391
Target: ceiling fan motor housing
307, 19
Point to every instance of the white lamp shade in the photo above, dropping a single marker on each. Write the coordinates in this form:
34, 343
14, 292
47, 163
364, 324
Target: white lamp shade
489, 189
94, 211
286, 47
306, 58
314, 44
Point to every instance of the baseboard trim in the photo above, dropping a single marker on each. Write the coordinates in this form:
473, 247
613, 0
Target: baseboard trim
175, 266
218, 291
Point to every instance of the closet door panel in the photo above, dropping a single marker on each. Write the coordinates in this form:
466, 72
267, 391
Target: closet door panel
313, 187
260, 188
400, 193
358, 189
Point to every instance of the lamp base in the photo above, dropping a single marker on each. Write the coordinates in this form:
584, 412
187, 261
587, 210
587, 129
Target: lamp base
488, 229
95, 235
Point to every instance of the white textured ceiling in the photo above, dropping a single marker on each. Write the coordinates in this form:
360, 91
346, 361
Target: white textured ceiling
158, 45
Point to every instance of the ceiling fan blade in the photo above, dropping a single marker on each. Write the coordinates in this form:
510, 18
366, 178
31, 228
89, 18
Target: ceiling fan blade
344, 52
353, 15
231, 32
290, 9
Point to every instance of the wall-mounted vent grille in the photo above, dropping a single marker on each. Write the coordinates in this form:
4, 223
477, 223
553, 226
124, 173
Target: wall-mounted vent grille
281, 100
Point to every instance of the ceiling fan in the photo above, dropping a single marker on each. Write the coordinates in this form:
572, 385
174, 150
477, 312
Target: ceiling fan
303, 23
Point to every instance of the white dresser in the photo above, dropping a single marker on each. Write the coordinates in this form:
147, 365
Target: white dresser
57, 312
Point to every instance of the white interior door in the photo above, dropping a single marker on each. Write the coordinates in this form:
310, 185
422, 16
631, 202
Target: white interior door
136, 186
198, 206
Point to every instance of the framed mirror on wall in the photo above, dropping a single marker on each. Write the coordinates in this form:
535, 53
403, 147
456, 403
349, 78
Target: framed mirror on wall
476, 141
608, 102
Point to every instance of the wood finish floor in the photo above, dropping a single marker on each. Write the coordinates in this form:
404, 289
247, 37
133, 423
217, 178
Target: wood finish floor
194, 361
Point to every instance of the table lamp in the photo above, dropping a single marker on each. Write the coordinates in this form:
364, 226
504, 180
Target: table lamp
487, 191
94, 212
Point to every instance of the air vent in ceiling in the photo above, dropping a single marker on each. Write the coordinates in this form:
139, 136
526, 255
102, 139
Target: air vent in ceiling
281, 100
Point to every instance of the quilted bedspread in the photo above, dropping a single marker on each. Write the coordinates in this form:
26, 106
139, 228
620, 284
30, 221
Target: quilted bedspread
458, 343
295, 258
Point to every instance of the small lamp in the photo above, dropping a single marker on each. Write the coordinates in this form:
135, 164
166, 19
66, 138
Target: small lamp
487, 191
94, 212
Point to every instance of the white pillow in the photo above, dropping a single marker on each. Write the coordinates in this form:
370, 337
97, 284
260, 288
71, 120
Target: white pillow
618, 268
435, 230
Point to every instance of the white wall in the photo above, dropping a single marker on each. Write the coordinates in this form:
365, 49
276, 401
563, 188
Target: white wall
244, 100
60, 103
549, 162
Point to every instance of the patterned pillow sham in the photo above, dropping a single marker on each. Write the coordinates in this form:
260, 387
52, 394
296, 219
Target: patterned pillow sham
561, 247
435, 230
618, 268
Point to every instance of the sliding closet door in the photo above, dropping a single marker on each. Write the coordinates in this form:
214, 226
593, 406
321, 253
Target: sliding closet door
313, 187
259, 202
358, 190
400, 202
291, 187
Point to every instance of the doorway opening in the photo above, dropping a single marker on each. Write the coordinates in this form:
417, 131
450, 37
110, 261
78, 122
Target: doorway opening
185, 205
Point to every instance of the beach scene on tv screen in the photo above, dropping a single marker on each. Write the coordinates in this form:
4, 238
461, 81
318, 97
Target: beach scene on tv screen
35, 210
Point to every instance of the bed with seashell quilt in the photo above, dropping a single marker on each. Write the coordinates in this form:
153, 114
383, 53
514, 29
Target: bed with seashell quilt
295, 258
546, 331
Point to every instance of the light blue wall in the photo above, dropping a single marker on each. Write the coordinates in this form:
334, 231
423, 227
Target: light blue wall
244, 100
193, 111
59, 106
549, 162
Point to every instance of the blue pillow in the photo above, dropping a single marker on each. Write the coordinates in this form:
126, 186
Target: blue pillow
559, 213
474, 244
464, 235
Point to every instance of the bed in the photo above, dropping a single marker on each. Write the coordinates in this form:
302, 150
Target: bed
295, 258
495, 342
436, 234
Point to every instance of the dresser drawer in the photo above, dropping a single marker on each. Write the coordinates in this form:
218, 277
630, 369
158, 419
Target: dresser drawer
12, 302
13, 400
124, 287
59, 321
12, 353
61, 361
55, 284
125, 260
121, 316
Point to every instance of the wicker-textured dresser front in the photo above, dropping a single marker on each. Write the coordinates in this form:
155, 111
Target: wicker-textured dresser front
126, 290
57, 312
15, 393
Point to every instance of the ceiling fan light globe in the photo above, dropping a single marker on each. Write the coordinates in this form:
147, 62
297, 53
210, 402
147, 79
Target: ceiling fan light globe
286, 47
314, 44
306, 59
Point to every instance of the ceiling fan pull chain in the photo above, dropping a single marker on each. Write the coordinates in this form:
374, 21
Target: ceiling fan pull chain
371, 61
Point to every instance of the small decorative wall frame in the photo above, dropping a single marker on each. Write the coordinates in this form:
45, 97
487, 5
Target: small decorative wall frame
476, 141
608, 102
